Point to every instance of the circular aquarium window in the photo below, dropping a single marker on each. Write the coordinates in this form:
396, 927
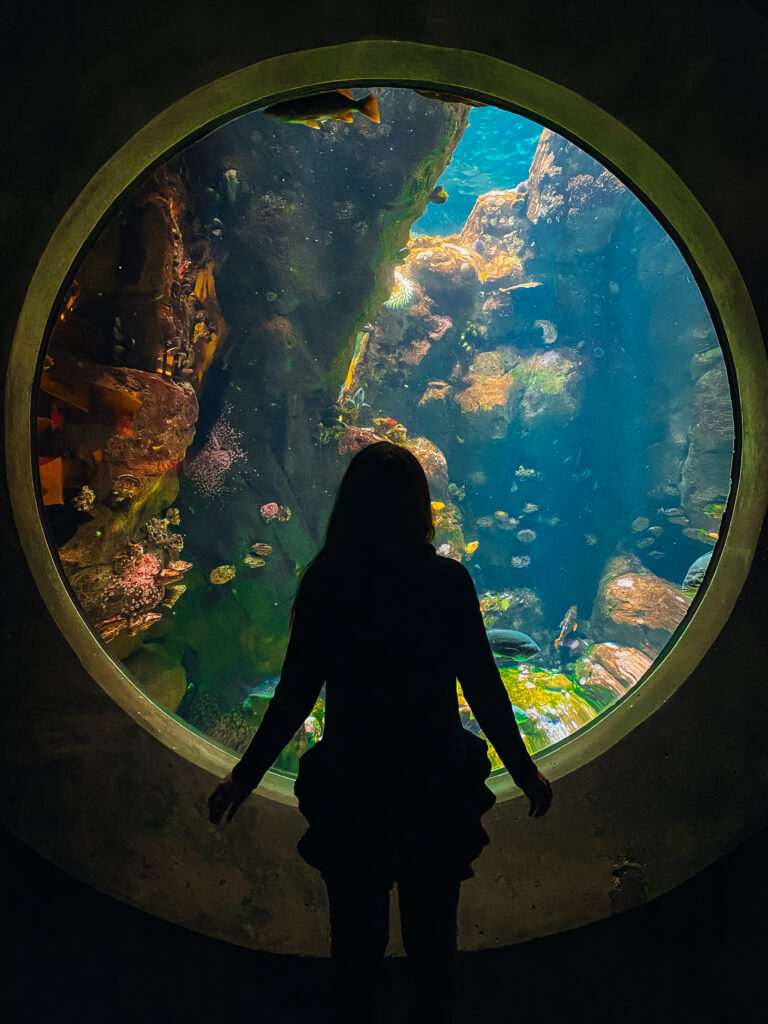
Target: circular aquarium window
370, 264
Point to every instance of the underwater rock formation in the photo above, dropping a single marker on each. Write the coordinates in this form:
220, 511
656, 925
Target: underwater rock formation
303, 252
488, 403
625, 664
126, 357
432, 462
636, 608
159, 674
710, 447
553, 390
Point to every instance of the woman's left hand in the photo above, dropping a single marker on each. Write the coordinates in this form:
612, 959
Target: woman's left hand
226, 793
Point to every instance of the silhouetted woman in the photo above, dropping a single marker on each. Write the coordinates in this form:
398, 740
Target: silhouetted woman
395, 789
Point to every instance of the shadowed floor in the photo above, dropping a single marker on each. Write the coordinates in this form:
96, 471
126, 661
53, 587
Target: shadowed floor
693, 954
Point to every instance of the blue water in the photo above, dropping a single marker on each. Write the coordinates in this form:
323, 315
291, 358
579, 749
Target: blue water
495, 152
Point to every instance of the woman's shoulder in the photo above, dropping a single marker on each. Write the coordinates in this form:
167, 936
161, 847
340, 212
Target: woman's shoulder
452, 571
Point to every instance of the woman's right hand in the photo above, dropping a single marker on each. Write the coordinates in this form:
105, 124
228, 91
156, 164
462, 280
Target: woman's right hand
539, 792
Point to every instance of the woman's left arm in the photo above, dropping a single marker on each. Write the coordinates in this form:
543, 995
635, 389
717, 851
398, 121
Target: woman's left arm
302, 676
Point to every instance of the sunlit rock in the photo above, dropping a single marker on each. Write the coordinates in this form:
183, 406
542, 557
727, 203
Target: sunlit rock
553, 389
432, 462
636, 608
488, 404
624, 663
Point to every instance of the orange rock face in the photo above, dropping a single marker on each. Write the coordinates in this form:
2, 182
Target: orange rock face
595, 674
623, 663
488, 404
354, 439
432, 462
486, 392
415, 352
645, 600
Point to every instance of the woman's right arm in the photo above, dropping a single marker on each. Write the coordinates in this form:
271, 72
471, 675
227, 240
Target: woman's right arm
484, 691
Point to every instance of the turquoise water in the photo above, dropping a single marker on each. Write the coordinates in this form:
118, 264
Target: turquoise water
495, 151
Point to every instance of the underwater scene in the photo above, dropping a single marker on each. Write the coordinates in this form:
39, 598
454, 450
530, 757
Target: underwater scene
368, 264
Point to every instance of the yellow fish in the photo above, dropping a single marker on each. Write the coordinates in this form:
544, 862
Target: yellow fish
437, 505
472, 547
525, 284
324, 106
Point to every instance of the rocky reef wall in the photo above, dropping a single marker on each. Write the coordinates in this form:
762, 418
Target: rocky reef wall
219, 312
559, 362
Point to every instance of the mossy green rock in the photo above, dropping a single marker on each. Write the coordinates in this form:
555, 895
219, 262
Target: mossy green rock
159, 674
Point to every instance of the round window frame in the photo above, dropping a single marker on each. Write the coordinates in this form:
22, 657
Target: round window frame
389, 63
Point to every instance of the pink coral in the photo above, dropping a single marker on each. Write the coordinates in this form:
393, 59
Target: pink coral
269, 511
134, 589
209, 467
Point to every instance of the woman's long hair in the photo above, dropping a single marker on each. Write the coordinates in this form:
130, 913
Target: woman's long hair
382, 503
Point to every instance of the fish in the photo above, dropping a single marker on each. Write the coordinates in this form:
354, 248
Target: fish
472, 547
524, 284
569, 624
324, 106
438, 195
437, 506
695, 575
509, 644
449, 97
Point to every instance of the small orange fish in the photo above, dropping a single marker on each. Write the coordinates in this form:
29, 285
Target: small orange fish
569, 624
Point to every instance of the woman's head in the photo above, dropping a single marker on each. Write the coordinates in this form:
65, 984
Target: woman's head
383, 498
382, 505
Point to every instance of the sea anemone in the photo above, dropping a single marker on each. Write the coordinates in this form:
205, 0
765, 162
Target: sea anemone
402, 293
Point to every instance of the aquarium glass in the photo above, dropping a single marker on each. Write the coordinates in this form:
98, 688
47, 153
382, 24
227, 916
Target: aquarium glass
385, 264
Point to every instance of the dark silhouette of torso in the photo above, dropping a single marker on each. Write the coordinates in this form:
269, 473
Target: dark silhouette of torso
395, 771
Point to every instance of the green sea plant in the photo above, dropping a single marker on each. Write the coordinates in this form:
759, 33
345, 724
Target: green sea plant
358, 400
325, 434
